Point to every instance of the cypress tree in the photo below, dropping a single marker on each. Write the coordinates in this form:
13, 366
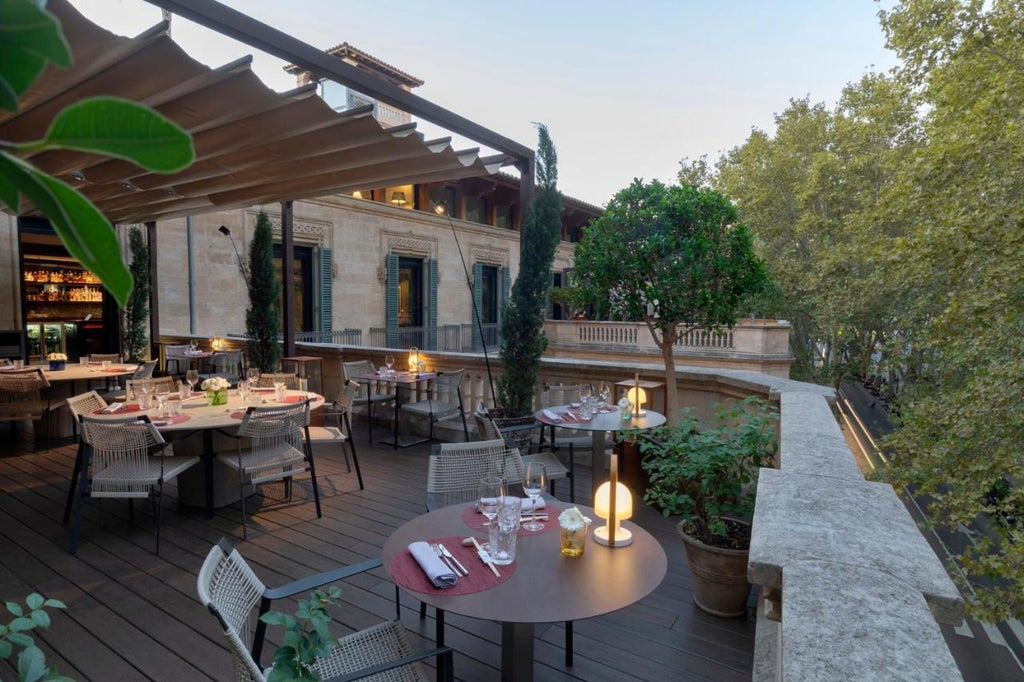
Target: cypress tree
136, 311
263, 318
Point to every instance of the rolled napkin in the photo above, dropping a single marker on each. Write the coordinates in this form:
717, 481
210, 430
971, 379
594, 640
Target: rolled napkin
435, 569
112, 408
552, 416
528, 504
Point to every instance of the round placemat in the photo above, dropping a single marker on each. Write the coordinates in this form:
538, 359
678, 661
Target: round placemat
476, 521
407, 573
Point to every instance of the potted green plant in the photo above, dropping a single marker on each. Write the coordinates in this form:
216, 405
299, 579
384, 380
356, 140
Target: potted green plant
707, 473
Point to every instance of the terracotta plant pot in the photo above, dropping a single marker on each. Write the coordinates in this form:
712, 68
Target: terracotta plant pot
720, 585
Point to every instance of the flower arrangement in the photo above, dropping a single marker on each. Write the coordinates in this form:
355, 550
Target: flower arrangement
215, 384
57, 357
573, 531
572, 519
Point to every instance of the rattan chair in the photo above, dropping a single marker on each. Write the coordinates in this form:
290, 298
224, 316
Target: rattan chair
455, 469
270, 448
232, 592
291, 381
342, 433
156, 384
104, 357
24, 395
488, 430
444, 401
84, 403
118, 461
175, 356
369, 393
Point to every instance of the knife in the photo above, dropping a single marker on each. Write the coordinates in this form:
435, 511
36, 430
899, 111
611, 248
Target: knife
449, 555
485, 557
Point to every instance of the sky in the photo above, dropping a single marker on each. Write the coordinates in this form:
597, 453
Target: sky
627, 89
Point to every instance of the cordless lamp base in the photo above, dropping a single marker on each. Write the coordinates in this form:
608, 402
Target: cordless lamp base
622, 537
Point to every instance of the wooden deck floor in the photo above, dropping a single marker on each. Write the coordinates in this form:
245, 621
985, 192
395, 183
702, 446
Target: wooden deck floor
134, 616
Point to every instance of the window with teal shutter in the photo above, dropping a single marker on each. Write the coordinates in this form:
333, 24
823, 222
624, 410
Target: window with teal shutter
391, 300
326, 299
432, 279
478, 304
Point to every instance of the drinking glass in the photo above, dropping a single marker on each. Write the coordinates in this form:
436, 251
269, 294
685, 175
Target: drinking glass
491, 490
161, 401
502, 532
194, 344
243, 390
280, 391
605, 392
533, 485
253, 375
191, 378
389, 360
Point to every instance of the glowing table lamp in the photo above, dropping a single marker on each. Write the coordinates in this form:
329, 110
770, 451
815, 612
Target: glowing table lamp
637, 396
414, 359
613, 502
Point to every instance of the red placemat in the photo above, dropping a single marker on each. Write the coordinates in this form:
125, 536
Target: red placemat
475, 521
167, 421
115, 369
125, 409
295, 398
237, 415
407, 573
263, 390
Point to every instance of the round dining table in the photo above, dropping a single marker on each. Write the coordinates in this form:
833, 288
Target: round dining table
541, 585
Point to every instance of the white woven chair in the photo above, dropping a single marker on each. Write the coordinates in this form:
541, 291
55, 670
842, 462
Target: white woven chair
444, 401
226, 364
232, 592
488, 430
83, 403
455, 469
24, 395
342, 433
117, 463
291, 381
174, 356
270, 448
369, 393
156, 384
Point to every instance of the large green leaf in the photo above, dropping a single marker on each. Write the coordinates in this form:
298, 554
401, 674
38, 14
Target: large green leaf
123, 129
86, 233
31, 664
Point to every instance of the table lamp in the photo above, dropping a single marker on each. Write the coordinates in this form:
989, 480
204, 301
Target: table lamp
414, 359
637, 396
613, 502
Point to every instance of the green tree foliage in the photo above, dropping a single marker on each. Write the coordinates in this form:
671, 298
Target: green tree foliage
672, 256
136, 312
263, 318
522, 320
31, 39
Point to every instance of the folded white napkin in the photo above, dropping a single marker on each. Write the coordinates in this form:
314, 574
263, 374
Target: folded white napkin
528, 504
552, 416
435, 569
112, 408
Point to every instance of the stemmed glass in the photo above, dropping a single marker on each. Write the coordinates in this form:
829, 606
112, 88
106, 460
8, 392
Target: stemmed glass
605, 392
389, 360
491, 490
191, 378
253, 374
194, 344
533, 485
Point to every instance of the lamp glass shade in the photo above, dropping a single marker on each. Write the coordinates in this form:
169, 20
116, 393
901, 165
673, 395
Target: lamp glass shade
414, 358
623, 501
398, 198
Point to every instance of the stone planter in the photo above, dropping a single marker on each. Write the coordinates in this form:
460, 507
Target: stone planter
720, 585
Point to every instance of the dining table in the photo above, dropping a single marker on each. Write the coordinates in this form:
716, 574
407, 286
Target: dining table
402, 381
540, 586
197, 416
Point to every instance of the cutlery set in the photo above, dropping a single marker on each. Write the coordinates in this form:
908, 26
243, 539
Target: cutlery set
449, 559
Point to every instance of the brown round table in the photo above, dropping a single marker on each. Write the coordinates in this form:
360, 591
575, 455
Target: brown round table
546, 587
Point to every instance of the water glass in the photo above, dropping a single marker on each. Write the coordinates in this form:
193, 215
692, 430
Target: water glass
184, 391
503, 531
145, 401
280, 391
174, 406
106, 364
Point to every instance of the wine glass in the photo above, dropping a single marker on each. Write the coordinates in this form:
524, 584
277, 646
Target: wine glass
194, 344
491, 490
191, 378
605, 392
389, 360
253, 374
243, 391
533, 485
161, 400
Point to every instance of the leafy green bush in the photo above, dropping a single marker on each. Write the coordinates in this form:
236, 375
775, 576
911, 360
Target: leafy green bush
307, 636
31, 660
708, 471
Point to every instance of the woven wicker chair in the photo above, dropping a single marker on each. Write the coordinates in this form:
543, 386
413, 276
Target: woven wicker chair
369, 393
291, 381
104, 357
444, 401
226, 364
488, 430
143, 372
157, 384
342, 433
270, 448
233, 593
83, 403
174, 356
24, 395
563, 437
118, 454
455, 469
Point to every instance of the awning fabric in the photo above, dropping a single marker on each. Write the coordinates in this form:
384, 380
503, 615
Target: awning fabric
253, 145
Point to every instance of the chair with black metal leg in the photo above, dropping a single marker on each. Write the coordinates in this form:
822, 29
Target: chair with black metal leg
342, 433
443, 402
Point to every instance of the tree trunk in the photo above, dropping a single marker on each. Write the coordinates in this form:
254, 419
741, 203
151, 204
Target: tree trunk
666, 342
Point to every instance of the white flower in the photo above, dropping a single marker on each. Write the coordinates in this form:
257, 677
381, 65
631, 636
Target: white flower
57, 356
573, 519
215, 384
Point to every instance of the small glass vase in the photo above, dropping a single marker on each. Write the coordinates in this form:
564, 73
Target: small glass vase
57, 365
217, 397
573, 541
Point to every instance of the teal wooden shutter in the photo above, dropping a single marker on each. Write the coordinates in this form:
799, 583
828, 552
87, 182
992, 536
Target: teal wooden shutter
432, 280
326, 299
391, 301
478, 304
506, 288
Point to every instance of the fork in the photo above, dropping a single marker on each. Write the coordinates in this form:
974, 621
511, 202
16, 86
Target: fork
448, 555
444, 559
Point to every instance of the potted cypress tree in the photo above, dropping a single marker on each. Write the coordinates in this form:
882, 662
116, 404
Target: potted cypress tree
263, 318
707, 472
136, 312
522, 320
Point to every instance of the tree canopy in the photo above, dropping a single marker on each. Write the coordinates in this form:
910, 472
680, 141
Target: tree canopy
672, 256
